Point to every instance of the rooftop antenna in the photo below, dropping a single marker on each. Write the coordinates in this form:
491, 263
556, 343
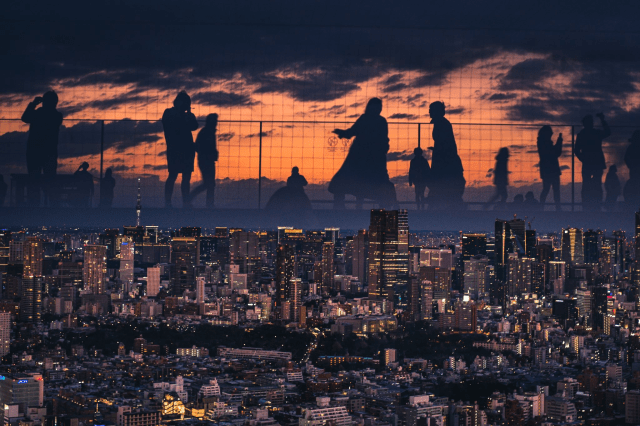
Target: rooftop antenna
138, 205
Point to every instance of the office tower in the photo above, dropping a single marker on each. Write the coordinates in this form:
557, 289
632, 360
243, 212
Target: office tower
5, 333
637, 236
16, 252
592, 245
503, 246
94, 269
475, 279
415, 297
389, 356
33, 256
153, 281
31, 301
473, 245
295, 298
244, 250
332, 235
441, 258
109, 238
426, 302
199, 290
440, 279
285, 272
572, 246
17, 394
361, 256
530, 243
601, 306
328, 270
292, 236
465, 317
185, 257
518, 234
388, 252
127, 253
207, 249
136, 234
189, 232
518, 275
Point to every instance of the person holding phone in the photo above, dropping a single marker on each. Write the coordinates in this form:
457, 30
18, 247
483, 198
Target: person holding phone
549, 164
42, 145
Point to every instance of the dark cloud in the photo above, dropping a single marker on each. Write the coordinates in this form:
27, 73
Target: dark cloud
154, 167
499, 97
222, 99
224, 137
118, 101
527, 75
256, 135
455, 111
402, 116
400, 156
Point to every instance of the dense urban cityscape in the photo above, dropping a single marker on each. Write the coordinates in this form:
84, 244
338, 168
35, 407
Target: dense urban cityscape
379, 326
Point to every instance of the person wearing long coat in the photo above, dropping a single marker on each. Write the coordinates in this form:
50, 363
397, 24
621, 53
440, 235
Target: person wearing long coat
364, 172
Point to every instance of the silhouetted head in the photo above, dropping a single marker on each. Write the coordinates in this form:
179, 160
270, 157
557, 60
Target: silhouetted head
545, 132
84, 166
436, 109
212, 120
503, 154
587, 121
50, 99
417, 152
519, 198
613, 169
182, 102
529, 196
295, 171
108, 173
374, 106
635, 137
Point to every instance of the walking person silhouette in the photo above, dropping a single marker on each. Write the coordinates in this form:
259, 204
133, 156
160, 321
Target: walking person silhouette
447, 174
107, 184
364, 172
42, 145
588, 149
612, 186
549, 165
178, 122
419, 174
207, 157
501, 176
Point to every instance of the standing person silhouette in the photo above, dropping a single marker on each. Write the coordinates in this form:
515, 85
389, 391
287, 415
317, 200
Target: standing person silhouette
42, 145
207, 157
632, 160
419, 173
588, 149
501, 176
364, 171
447, 173
612, 186
107, 184
84, 182
549, 165
178, 122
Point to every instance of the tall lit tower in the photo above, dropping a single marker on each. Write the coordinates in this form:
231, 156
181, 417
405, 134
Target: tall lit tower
138, 205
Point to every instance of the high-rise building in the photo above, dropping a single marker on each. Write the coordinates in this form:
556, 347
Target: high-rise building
473, 245
94, 268
530, 243
440, 258
440, 279
360, 256
328, 269
295, 298
332, 235
518, 234
5, 333
136, 234
426, 308
127, 254
592, 245
200, 290
17, 394
572, 245
476, 277
153, 281
388, 252
185, 257
109, 238
285, 272
33, 257
31, 301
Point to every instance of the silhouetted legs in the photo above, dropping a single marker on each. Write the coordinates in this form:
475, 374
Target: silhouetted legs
547, 184
208, 185
592, 186
420, 196
500, 195
42, 174
184, 186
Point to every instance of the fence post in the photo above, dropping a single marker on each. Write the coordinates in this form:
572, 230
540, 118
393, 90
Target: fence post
419, 124
573, 170
260, 169
101, 154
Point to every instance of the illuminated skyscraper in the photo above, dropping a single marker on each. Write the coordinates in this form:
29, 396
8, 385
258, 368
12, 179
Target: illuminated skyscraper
153, 281
31, 301
476, 276
95, 268
328, 270
200, 290
185, 257
473, 245
295, 298
285, 272
360, 256
5, 333
592, 244
388, 252
33, 256
127, 253
572, 245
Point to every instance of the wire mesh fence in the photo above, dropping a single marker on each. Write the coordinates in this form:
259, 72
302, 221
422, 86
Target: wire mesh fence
256, 157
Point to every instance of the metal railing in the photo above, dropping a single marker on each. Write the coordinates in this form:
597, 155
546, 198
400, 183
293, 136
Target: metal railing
256, 158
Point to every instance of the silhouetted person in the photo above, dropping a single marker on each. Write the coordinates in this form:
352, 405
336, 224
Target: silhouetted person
612, 186
107, 184
419, 173
292, 196
207, 157
3, 191
178, 122
518, 199
632, 160
447, 175
84, 182
42, 145
530, 199
501, 176
549, 164
364, 171
588, 149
